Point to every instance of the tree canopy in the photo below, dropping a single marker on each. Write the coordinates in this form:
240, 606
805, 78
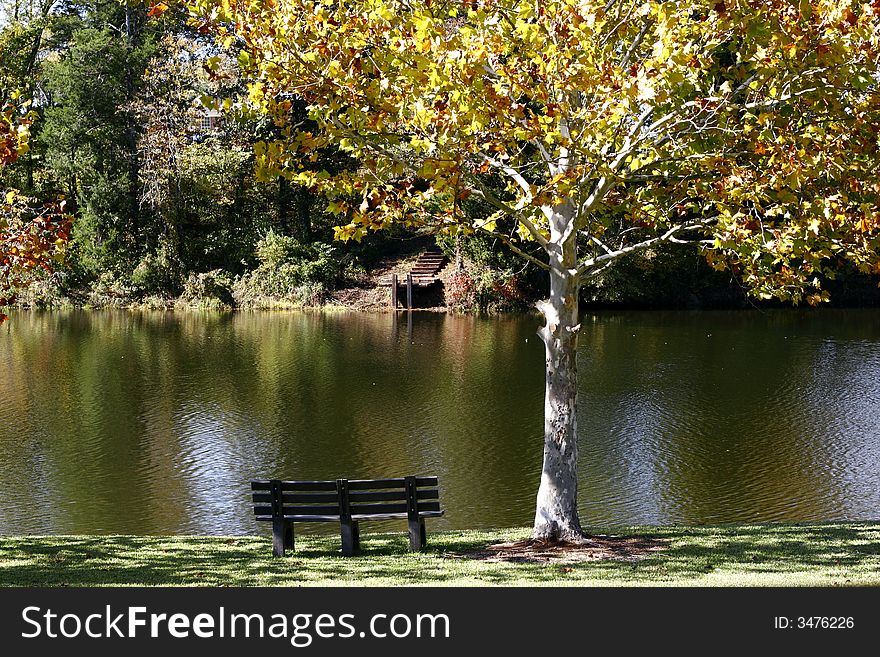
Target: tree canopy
754, 122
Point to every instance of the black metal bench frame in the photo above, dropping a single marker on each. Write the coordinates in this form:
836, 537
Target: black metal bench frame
347, 502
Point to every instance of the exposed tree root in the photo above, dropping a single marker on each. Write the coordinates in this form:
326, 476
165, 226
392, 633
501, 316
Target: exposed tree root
552, 533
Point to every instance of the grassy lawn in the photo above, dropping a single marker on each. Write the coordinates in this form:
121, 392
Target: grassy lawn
754, 555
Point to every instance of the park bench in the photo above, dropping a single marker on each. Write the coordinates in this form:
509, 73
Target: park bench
348, 502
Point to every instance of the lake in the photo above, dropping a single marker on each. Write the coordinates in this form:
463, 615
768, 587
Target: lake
154, 423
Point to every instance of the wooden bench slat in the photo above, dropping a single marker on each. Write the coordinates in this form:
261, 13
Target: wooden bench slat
391, 495
360, 496
287, 510
369, 484
353, 484
370, 509
397, 516
288, 486
304, 518
356, 497
305, 498
366, 509
361, 509
310, 498
381, 516
319, 510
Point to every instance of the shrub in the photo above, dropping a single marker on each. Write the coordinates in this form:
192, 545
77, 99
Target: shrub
275, 249
211, 289
484, 290
109, 290
460, 292
291, 270
310, 294
156, 273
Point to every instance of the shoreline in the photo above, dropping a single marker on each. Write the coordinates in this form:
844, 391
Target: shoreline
188, 308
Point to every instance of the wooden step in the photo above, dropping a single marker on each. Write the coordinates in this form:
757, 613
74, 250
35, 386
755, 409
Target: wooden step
401, 280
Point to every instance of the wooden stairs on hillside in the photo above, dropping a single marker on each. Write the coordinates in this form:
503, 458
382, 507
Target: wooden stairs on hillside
424, 273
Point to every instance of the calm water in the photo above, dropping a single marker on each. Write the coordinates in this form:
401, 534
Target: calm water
155, 423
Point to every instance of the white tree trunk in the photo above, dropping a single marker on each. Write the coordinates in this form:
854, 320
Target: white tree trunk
556, 515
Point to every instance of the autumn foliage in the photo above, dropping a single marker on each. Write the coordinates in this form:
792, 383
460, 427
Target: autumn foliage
749, 125
30, 232
10, 135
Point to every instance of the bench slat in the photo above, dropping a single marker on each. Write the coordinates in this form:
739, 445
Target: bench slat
392, 496
397, 516
369, 484
368, 509
305, 498
329, 510
305, 518
354, 516
353, 484
286, 486
288, 510
356, 497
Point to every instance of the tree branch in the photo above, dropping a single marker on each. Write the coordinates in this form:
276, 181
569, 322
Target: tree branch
584, 268
509, 244
527, 188
636, 43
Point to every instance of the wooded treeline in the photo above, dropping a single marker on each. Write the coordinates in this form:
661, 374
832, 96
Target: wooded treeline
161, 185
125, 120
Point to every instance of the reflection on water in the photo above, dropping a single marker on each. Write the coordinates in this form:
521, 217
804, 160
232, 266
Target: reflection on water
154, 423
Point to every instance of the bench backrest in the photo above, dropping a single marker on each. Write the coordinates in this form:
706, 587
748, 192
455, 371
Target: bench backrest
274, 498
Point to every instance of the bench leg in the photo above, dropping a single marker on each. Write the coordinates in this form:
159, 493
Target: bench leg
417, 534
282, 536
350, 538
357, 536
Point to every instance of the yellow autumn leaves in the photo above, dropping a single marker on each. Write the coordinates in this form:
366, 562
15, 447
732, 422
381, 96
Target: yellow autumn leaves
757, 112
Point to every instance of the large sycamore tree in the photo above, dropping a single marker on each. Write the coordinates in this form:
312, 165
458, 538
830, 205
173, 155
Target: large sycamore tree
592, 129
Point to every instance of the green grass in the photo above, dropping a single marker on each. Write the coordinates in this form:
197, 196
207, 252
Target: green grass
753, 555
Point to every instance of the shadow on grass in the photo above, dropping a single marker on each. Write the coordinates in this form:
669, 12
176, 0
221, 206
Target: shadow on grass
691, 553
772, 549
